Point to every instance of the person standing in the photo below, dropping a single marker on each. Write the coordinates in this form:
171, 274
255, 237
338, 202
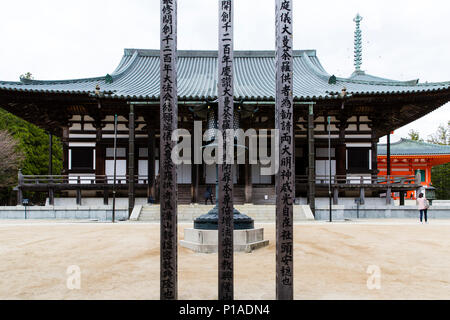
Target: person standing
422, 204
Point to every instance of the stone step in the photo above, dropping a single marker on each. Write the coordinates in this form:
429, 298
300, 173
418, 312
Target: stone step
260, 213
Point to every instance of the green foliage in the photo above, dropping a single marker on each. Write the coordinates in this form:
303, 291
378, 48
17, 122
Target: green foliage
442, 135
33, 142
414, 135
440, 176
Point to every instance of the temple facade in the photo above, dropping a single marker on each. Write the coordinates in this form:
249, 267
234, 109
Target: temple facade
352, 112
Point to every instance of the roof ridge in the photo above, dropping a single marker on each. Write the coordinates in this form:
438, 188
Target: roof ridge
214, 53
416, 142
407, 83
64, 81
319, 73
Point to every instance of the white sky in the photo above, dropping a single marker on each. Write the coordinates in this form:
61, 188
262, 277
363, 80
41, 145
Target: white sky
55, 39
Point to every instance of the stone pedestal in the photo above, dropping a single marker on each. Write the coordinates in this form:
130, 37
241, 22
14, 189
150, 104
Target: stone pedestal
205, 241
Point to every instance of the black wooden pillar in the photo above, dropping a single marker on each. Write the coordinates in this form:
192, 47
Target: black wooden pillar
168, 172
50, 154
286, 173
51, 194
389, 196
248, 182
341, 154
151, 163
79, 196
374, 156
388, 154
194, 175
311, 161
131, 161
336, 196
65, 145
226, 115
402, 198
99, 153
19, 188
362, 194
388, 164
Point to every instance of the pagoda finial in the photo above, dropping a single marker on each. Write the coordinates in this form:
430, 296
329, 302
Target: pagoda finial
358, 43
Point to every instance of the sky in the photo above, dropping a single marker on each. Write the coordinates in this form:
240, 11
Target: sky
65, 39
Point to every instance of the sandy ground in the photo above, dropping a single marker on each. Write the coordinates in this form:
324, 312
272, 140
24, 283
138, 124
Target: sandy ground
122, 261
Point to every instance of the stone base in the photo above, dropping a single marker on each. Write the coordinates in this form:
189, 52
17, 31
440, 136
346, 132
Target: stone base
206, 241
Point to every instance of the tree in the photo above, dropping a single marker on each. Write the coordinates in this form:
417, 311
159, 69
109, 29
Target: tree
33, 143
442, 135
414, 135
440, 175
10, 159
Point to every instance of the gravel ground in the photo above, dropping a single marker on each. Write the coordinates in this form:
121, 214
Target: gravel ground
121, 261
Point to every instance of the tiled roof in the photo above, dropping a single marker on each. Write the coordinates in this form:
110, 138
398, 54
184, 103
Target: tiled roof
137, 77
410, 147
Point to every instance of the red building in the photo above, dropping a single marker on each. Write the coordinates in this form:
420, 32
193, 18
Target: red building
409, 157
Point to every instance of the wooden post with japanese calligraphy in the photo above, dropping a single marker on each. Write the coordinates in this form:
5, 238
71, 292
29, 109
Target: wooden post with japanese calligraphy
168, 173
286, 171
226, 113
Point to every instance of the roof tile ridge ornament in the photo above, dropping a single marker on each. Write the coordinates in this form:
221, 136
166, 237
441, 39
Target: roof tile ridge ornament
358, 44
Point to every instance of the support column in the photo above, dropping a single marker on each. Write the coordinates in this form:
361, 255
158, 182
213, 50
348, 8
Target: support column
362, 194
51, 197
248, 182
151, 163
50, 154
311, 161
195, 182
51, 194
374, 156
388, 155
225, 167
285, 178
79, 196
99, 155
336, 196
131, 194
341, 154
389, 196
168, 174
105, 196
194, 174
65, 145
402, 198
19, 188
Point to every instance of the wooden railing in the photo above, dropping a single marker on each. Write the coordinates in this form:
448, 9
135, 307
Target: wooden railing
78, 179
362, 179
